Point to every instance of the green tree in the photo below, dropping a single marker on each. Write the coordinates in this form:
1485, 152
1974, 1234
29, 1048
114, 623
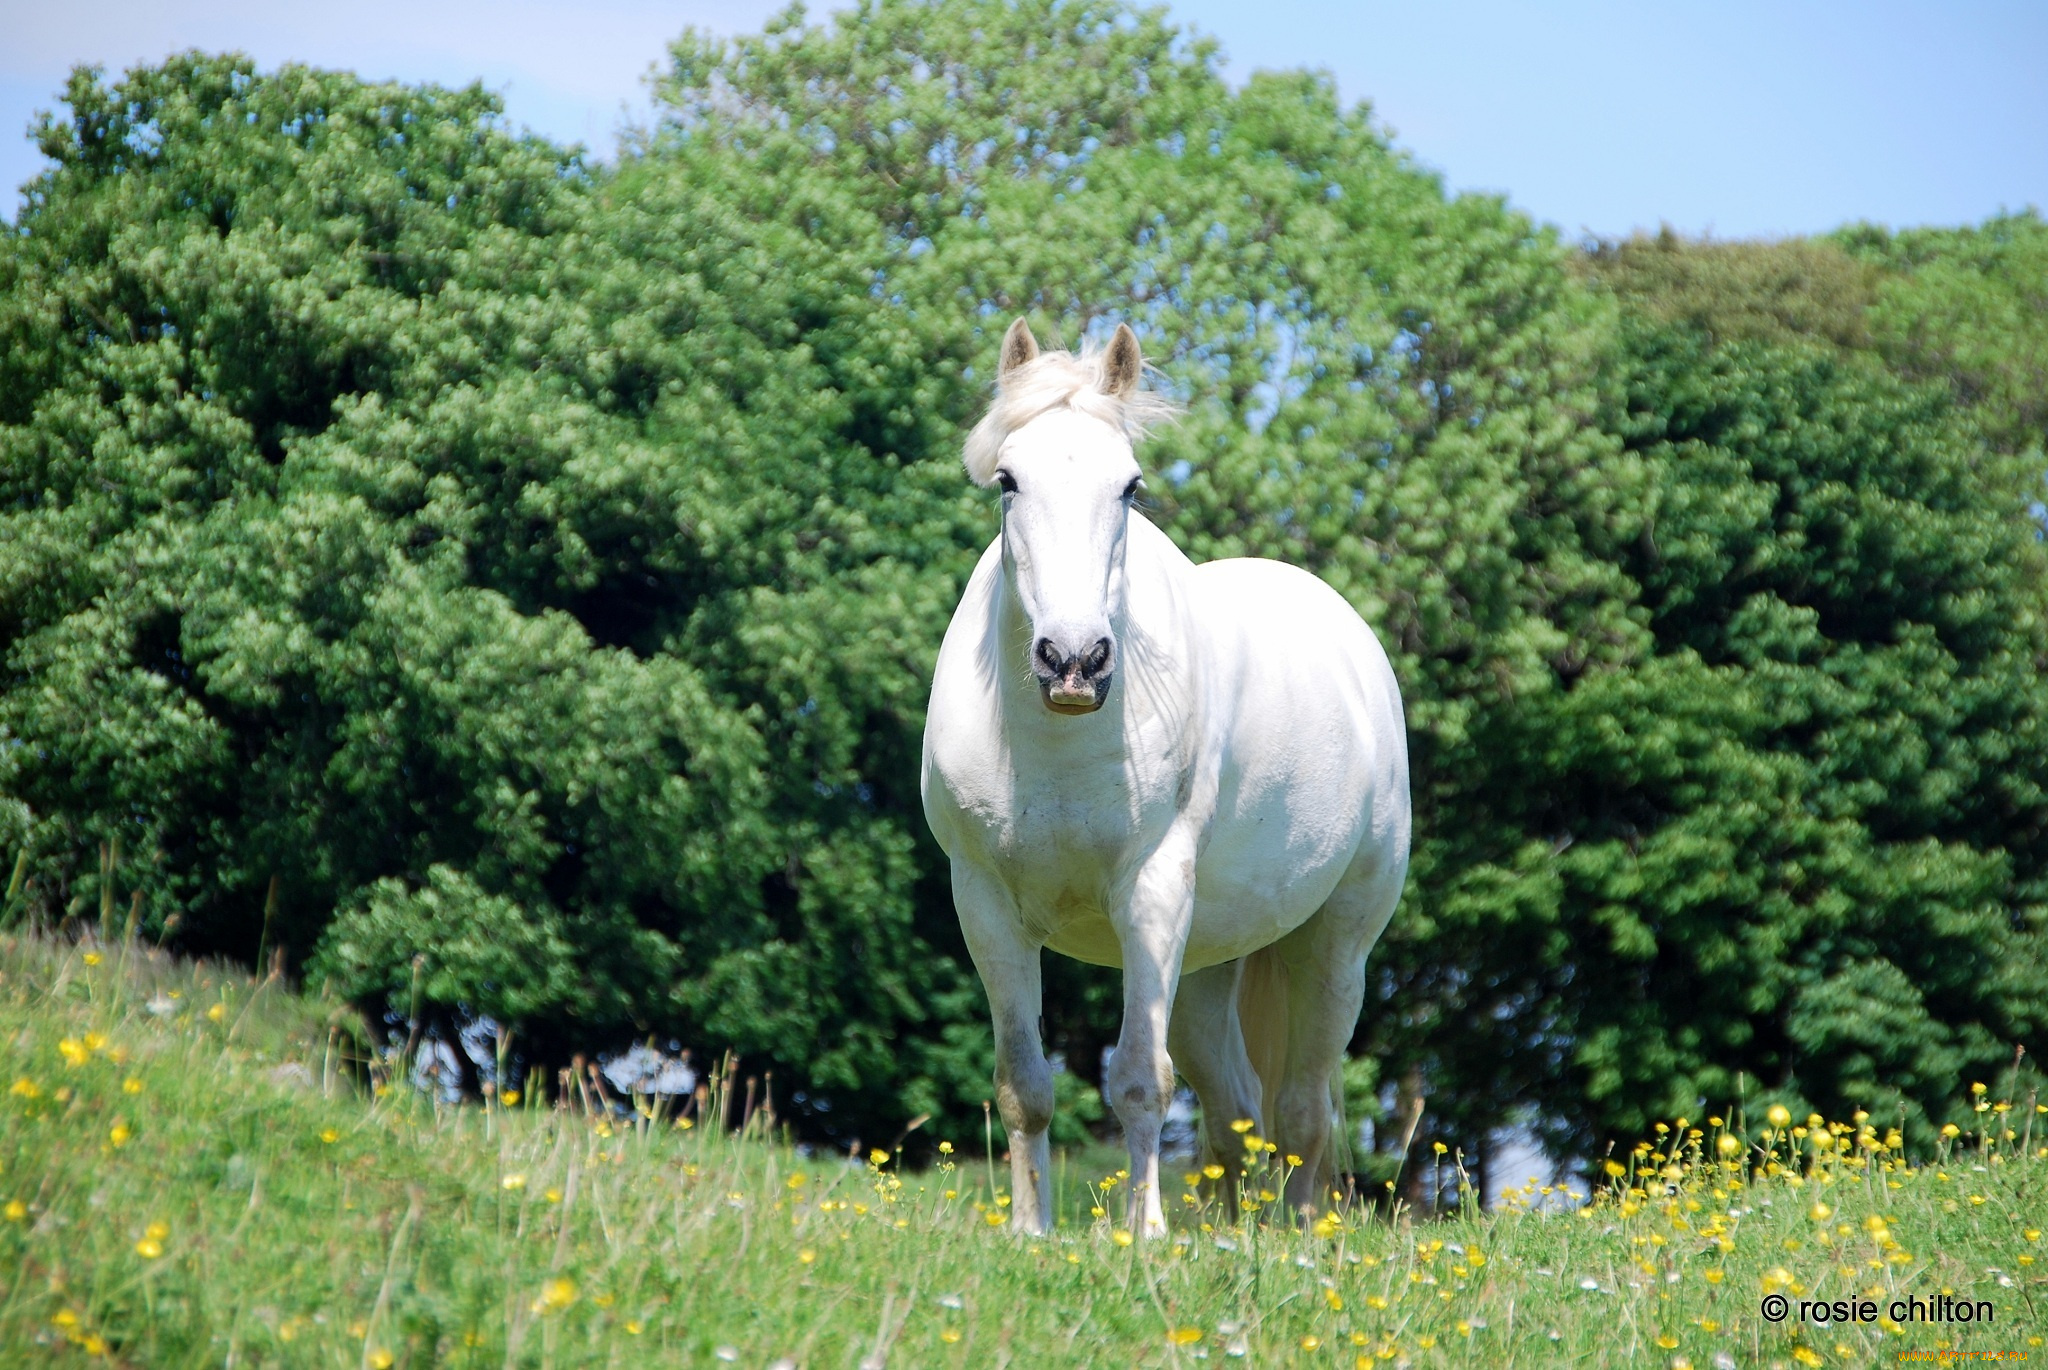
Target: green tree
1968, 307
378, 524
1823, 862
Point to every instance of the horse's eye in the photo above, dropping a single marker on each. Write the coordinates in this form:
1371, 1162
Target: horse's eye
1131, 490
1006, 482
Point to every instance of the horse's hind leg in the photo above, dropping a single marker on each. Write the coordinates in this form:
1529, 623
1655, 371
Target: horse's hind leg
1206, 1042
1325, 960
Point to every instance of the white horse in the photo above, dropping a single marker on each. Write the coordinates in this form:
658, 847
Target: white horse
1229, 824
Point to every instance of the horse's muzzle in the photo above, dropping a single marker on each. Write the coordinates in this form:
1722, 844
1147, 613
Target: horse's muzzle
1063, 698
1073, 683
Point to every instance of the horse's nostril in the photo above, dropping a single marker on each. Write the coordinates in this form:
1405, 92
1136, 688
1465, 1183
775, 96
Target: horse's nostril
1078, 665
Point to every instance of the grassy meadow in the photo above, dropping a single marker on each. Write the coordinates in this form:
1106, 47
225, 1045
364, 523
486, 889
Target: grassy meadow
189, 1176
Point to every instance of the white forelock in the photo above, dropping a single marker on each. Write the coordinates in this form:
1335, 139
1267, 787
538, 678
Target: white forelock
1055, 380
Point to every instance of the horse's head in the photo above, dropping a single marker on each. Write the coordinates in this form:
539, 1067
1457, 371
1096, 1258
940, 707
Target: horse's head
1057, 443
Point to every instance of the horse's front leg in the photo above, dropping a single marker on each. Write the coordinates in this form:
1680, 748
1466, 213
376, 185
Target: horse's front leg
1153, 933
1009, 965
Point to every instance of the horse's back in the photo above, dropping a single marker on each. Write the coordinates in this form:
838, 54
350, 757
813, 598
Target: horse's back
1300, 644
1275, 599
1313, 772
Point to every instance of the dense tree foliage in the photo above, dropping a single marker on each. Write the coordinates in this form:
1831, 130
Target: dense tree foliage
1968, 307
383, 526
1805, 841
522, 578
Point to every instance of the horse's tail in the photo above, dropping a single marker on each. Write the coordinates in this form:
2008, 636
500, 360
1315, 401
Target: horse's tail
1262, 1016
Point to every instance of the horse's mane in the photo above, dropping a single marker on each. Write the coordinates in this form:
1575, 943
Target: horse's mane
1050, 381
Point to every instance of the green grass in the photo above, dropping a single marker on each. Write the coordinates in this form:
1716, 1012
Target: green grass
185, 1187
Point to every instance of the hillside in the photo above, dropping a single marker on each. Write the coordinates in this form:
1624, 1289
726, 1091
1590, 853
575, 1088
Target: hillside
191, 1175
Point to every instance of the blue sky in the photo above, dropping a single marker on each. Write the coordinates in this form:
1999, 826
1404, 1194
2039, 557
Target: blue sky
1735, 117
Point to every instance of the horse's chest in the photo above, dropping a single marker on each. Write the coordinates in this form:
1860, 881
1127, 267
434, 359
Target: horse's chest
1069, 832
1069, 851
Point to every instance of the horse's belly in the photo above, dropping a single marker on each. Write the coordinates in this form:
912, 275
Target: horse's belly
1253, 886
1235, 922
1087, 938
1233, 916
1223, 929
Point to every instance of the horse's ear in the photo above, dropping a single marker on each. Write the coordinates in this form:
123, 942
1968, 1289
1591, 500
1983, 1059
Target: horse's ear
1019, 347
1122, 364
